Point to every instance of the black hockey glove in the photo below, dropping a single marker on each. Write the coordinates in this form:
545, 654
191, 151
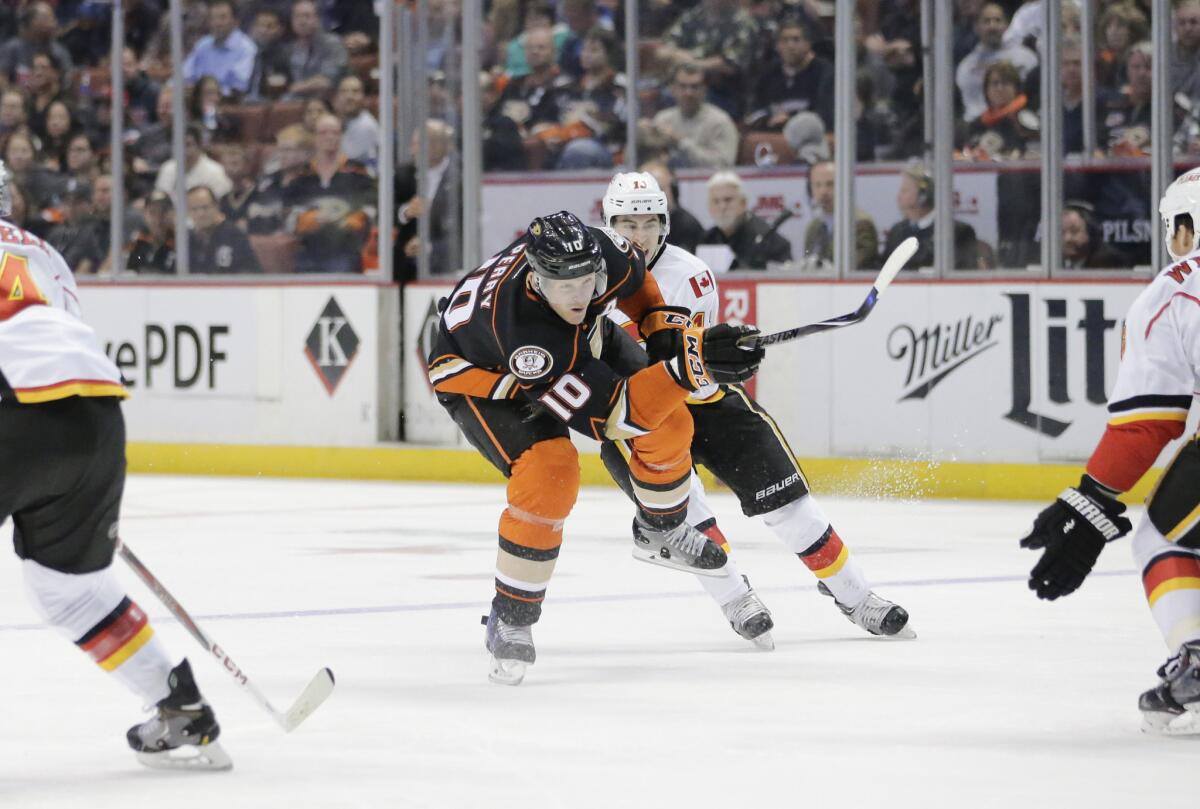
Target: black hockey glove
712, 356
664, 344
1073, 530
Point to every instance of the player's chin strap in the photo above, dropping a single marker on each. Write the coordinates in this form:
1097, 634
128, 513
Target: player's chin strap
895, 262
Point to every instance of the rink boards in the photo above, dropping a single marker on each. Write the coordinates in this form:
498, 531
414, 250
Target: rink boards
981, 388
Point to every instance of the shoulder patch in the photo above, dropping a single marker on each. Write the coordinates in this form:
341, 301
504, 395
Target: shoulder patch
616, 238
530, 362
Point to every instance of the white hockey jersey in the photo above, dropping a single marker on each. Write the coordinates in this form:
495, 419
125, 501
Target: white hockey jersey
1160, 352
1158, 376
685, 281
46, 351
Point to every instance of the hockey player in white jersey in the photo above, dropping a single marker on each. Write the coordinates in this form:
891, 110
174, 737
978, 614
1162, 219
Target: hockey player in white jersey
62, 473
1148, 407
739, 442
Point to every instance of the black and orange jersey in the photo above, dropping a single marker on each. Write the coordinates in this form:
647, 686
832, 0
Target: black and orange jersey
498, 339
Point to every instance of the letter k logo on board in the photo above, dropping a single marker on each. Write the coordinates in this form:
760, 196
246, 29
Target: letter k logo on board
331, 345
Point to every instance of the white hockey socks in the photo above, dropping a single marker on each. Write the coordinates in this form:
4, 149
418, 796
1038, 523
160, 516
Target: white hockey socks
806, 531
1171, 579
94, 612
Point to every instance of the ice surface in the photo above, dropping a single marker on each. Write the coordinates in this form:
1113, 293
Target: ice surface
642, 695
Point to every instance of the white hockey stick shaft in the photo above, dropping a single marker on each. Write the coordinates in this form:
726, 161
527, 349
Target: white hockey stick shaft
895, 262
310, 699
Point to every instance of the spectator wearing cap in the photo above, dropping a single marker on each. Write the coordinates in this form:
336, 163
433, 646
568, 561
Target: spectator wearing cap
75, 235
990, 26
200, 168
1082, 244
331, 206
152, 249
818, 236
215, 244
39, 27
360, 130
915, 200
754, 243
721, 39
796, 81
316, 59
696, 133
686, 231
269, 76
226, 53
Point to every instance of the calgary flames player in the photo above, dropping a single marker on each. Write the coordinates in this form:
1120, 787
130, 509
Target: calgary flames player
62, 466
1160, 370
518, 360
739, 442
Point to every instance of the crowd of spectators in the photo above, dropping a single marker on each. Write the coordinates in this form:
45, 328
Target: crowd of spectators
283, 137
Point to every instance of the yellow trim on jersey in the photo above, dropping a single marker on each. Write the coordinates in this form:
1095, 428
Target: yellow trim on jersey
68, 389
1185, 525
716, 397
129, 649
1149, 415
1170, 585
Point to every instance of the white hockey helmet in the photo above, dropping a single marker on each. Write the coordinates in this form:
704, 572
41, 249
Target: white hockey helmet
636, 192
1182, 197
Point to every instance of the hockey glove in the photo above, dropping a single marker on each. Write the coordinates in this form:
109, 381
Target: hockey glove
712, 356
663, 330
1073, 530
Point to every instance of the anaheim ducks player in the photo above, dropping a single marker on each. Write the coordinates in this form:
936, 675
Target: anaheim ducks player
518, 360
62, 473
1159, 373
739, 442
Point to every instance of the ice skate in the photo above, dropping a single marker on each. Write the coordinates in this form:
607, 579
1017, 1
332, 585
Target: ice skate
876, 615
182, 734
750, 618
679, 548
511, 648
1172, 708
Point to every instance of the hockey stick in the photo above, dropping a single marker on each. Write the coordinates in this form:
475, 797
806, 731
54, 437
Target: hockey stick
895, 262
316, 692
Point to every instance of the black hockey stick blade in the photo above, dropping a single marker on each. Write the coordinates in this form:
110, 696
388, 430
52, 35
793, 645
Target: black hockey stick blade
895, 262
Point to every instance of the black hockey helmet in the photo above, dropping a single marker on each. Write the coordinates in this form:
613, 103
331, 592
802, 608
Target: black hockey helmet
561, 247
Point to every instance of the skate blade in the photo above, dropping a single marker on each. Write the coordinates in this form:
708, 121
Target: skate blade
206, 757
764, 642
906, 633
653, 558
1184, 724
507, 672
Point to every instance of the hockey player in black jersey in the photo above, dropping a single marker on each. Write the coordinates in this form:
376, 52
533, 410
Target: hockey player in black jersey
518, 360
738, 441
